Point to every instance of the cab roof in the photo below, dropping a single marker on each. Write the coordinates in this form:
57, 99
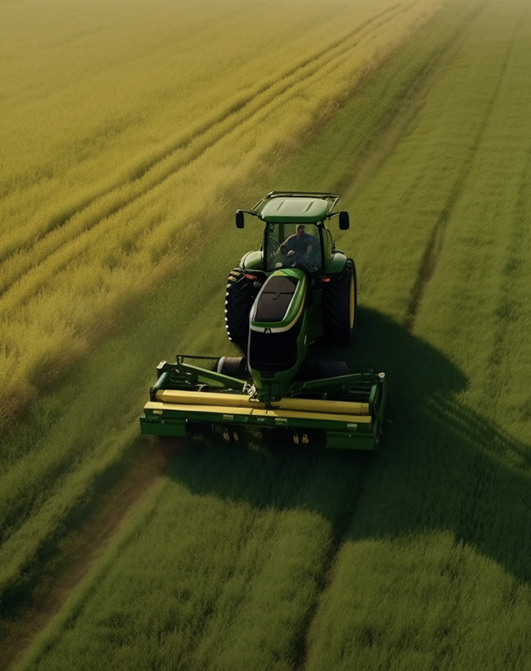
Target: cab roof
295, 207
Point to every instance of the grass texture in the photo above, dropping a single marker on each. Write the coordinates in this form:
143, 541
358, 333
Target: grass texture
287, 559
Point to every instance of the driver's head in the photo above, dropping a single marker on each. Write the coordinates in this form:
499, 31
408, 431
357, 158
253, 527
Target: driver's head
300, 230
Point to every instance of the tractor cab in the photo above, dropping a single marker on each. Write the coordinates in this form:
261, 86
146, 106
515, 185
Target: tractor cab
295, 234
298, 280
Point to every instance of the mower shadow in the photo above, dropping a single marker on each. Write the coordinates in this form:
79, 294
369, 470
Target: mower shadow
441, 467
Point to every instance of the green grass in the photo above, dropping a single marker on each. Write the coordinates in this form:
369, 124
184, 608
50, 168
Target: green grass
238, 577
286, 559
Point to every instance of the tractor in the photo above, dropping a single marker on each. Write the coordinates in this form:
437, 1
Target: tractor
297, 291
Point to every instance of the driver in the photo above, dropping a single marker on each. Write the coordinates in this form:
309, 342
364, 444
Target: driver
300, 243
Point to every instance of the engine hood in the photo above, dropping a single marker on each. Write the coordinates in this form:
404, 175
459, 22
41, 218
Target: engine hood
280, 303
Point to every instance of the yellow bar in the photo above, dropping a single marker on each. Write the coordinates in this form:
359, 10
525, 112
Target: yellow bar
243, 401
158, 408
206, 398
315, 405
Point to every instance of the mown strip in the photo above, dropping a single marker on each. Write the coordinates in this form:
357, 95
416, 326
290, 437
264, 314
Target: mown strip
434, 573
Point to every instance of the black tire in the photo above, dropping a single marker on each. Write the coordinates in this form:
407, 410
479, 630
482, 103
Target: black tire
239, 299
233, 366
340, 302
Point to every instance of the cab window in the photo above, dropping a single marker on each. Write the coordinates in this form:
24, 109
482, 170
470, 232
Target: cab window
288, 245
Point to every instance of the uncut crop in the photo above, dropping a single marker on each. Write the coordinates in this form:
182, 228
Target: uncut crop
124, 127
416, 558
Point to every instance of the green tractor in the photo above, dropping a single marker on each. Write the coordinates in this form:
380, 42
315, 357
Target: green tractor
298, 289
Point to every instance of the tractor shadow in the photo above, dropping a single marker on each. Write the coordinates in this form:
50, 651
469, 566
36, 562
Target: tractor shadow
441, 466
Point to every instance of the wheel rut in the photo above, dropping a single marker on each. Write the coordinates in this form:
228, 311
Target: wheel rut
435, 241
83, 547
341, 525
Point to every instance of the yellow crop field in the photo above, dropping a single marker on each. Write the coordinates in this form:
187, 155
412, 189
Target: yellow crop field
124, 124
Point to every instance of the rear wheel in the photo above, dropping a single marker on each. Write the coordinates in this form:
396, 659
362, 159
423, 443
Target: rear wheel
340, 306
239, 299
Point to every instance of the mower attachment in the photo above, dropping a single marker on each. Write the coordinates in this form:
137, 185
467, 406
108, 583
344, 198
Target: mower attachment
343, 411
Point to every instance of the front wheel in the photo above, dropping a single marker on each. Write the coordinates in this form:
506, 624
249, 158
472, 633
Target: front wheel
340, 306
239, 299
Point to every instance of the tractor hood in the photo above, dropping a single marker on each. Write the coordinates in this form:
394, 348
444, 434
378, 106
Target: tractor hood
280, 302
278, 342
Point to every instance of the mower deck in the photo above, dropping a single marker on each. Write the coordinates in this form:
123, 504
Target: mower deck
347, 410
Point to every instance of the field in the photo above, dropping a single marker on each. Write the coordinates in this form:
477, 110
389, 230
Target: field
130, 133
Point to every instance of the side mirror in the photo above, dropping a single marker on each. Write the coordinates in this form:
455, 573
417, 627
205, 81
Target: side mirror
239, 219
344, 221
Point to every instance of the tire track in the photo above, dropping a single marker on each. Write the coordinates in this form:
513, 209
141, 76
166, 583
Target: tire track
81, 549
435, 242
95, 212
341, 527
512, 303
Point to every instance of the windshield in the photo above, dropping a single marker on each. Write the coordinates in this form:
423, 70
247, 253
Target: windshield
288, 245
